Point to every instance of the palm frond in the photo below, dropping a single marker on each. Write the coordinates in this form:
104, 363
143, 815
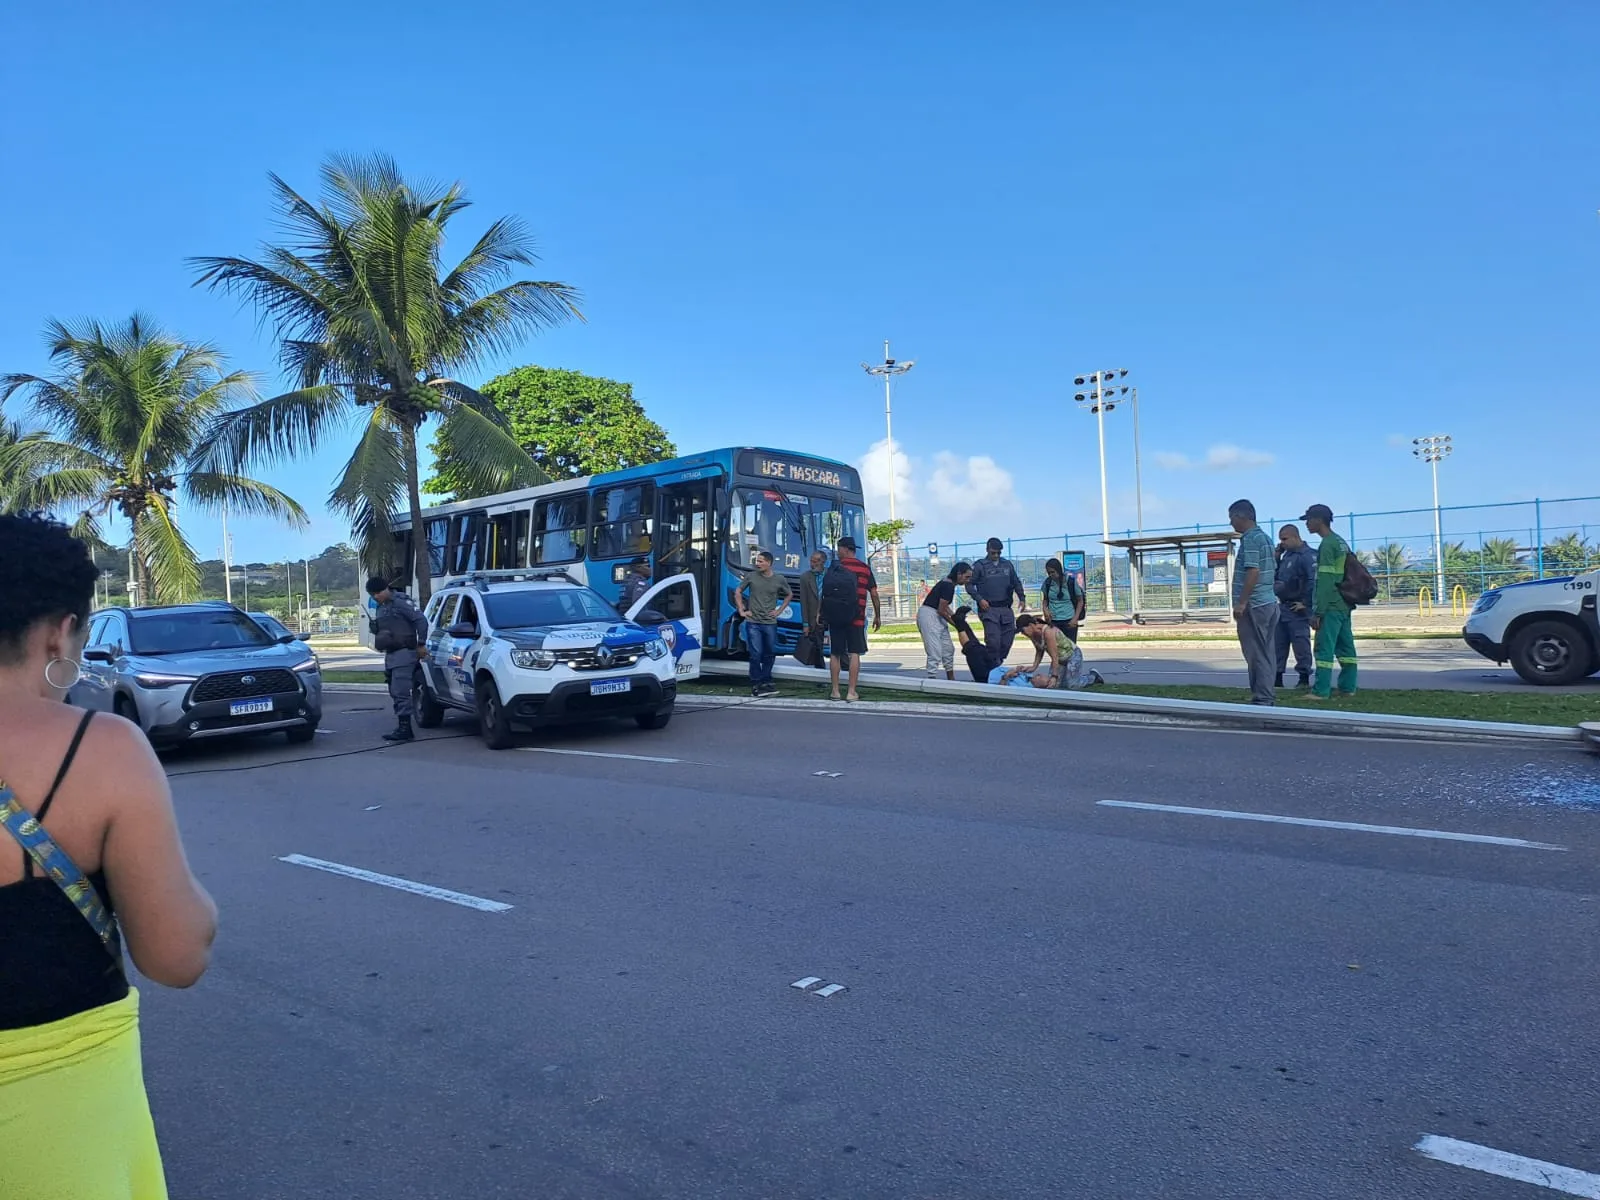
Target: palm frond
498, 321
503, 244
171, 560
373, 483
284, 426
249, 497
485, 457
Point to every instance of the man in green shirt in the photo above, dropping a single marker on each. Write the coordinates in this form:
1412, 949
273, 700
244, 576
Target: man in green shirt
761, 598
1330, 611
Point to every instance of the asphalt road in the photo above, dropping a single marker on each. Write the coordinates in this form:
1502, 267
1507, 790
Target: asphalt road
1383, 664
1045, 996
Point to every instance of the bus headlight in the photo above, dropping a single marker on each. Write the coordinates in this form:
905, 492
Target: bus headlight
538, 660
657, 649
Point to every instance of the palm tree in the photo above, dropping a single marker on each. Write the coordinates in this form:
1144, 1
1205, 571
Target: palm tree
128, 406
372, 332
1568, 552
19, 464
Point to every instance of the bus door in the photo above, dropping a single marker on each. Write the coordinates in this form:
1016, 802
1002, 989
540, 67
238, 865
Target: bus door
683, 541
508, 540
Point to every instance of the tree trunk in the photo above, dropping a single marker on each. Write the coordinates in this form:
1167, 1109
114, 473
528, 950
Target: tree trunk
136, 571
419, 535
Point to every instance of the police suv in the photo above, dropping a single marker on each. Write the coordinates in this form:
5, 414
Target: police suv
1546, 628
521, 649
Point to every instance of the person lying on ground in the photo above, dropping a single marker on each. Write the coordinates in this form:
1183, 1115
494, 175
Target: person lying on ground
981, 660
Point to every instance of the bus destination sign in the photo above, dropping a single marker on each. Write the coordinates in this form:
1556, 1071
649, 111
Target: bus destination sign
797, 470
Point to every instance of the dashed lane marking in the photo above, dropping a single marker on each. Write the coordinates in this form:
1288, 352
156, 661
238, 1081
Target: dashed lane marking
394, 881
1566, 1180
1314, 823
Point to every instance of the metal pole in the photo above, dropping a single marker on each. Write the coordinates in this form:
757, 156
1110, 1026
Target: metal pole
888, 429
227, 559
1105, 506
305, 626
1138, 479
1438, 539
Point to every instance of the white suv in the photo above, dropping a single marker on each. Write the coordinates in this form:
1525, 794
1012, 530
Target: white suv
1546, 628
527, 648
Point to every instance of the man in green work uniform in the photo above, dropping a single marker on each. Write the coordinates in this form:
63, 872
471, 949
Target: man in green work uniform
1330, 611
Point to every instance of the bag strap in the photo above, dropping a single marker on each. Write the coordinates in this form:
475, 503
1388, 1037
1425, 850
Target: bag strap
58, 868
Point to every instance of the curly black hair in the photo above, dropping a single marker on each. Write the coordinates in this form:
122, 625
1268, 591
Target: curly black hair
48, 575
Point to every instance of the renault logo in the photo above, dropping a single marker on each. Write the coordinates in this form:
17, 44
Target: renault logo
603, 656
247, 679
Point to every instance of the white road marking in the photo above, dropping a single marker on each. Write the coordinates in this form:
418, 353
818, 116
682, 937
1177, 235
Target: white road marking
1566, 1180
372, 808
808, 981
829, 774
597, 754
825, 992
1396, 830
394, 881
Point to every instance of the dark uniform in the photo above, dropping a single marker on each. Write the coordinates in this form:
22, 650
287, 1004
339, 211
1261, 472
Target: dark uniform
398, 628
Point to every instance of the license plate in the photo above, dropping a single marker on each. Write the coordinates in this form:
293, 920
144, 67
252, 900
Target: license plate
245, 708
609, 687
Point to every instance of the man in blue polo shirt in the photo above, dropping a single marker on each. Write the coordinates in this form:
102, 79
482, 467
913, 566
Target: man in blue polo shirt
1255, 604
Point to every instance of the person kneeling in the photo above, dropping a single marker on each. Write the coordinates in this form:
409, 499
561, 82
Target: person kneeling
1066, 660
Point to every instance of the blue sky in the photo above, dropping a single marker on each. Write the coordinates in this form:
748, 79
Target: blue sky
1311, 233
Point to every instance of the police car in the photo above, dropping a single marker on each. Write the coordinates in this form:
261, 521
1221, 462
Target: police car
522, 649
1546, 628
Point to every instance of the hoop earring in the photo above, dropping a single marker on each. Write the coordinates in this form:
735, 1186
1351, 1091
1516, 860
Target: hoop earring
77, 674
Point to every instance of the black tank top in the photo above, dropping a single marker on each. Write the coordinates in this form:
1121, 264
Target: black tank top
52, 961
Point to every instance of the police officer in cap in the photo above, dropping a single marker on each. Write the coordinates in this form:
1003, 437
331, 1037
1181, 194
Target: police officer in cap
399, 631
636, 584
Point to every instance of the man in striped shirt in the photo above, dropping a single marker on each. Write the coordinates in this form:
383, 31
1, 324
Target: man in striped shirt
846, 618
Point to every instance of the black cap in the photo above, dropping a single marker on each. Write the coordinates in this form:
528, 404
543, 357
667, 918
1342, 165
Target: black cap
376, 584
996, 544
847, 543
1321, 512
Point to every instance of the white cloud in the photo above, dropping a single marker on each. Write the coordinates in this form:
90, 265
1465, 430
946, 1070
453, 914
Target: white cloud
955, 489
1224, 456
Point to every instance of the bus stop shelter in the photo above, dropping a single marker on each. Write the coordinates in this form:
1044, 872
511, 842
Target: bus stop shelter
1204, 587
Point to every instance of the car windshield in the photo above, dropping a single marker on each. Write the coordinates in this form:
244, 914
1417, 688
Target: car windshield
270, 623
563, 606
789, 524
186, 632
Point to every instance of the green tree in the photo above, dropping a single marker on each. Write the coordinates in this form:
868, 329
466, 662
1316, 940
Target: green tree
372, 328
883, 535
1567, 554
128, 406
20, 464
570, 423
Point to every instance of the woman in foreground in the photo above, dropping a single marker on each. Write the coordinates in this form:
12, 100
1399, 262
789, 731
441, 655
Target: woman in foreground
89, 856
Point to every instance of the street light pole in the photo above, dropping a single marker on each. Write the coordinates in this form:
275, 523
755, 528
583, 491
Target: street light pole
1433, 450
1138, 475
1103, 399
227, 559
889, 368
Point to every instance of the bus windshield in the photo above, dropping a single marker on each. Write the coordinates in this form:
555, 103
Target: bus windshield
789, 524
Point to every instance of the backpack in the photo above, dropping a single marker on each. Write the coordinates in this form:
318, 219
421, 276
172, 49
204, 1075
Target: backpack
839, 588
1358, 587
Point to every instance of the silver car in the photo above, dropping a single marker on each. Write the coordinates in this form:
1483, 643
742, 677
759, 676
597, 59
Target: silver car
190, 671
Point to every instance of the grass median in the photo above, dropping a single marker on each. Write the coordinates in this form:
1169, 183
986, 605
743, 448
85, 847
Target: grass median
1531, 707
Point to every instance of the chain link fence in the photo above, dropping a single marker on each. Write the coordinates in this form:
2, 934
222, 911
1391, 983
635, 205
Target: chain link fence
1485, 546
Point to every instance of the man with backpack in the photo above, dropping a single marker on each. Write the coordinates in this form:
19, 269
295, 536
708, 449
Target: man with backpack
1330, 608
846, 585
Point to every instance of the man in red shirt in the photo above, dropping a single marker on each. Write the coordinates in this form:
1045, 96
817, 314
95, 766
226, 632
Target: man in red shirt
844, 612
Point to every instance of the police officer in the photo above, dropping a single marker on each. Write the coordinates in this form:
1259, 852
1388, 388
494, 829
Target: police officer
399, 631
636, 584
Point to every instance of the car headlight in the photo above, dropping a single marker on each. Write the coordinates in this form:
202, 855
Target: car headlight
306, 668
155, 679
539, 660
1486, 601
657, 649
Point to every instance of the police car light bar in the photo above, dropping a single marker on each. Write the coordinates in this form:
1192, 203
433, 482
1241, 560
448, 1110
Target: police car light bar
510, 575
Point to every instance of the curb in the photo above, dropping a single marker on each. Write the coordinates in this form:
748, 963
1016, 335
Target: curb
1198, 712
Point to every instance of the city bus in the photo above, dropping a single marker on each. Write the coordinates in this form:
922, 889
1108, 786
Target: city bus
703, 514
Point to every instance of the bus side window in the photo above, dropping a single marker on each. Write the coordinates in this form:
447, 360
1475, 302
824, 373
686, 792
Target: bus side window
438, 531
560, 529
623, 520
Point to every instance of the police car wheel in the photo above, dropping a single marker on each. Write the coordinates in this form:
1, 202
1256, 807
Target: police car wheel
429, 712
1550, 653
494, 723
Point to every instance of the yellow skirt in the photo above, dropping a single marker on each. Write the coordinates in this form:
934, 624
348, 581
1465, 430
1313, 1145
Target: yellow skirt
74, 1120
